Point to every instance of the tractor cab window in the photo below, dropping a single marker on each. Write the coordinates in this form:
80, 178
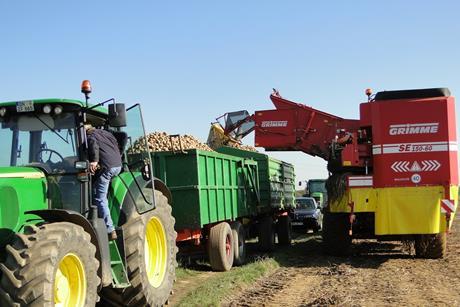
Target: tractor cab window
46, 142
39, 140
138, 157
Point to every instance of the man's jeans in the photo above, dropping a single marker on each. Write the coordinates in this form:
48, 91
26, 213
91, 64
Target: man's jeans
100, 190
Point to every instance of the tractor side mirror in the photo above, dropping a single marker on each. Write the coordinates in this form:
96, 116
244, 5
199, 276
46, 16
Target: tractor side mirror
117, 115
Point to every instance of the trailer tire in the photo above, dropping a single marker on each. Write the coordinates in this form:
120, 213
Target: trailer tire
430, 246
220, 247
284, 230
239, 243
336, 239
49, 264
266, 235
151, 281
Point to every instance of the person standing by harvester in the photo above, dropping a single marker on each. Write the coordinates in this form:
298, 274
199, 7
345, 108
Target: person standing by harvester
105, 163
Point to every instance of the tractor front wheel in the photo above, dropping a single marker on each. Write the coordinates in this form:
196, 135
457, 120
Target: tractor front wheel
50, 265
150, 247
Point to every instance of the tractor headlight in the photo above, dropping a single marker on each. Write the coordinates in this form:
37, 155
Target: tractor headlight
47, 109
58, 110
2, 112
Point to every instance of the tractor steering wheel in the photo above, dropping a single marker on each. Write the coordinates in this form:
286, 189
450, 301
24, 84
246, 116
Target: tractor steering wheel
51, 151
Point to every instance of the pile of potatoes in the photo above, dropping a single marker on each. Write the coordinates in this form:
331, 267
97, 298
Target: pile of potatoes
161, 141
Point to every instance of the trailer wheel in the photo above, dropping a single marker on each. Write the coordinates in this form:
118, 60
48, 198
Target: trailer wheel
220, 247
239, 243
336, 239
284, 230
150, 247
50, 265
431, 246
266, 235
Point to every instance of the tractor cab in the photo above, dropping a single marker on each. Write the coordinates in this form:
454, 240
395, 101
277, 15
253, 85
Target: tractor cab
47, 142
48, 136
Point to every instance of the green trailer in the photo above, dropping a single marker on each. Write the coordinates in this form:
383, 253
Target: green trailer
277, 178
220, 200
208, 187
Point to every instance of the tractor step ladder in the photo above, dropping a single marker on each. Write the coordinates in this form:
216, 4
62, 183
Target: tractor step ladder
120, 277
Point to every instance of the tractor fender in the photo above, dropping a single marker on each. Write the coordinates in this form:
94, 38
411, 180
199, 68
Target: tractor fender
98, 236
129, 205
161, 186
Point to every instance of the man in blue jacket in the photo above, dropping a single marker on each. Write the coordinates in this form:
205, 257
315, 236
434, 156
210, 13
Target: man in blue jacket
105, 163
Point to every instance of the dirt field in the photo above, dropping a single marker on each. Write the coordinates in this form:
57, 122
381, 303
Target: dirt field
379, 274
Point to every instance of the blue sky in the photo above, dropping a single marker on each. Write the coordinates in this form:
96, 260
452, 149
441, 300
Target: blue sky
188, 62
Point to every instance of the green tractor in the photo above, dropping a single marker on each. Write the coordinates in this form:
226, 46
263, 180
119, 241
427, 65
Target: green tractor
55, 250
316, 188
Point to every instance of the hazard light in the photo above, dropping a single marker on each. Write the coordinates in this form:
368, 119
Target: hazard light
86, 87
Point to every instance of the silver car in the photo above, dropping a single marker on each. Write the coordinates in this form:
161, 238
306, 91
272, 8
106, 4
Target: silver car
307, 214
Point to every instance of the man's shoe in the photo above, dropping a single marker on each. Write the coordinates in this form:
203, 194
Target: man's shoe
113, 236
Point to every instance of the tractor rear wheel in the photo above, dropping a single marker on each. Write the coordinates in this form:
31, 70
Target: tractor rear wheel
431, 246
150, 248
220, 247
336, 238
239, 243
266, 235
50, 265
284, 230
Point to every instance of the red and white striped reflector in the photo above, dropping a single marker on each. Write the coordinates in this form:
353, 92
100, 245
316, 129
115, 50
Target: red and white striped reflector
447, 206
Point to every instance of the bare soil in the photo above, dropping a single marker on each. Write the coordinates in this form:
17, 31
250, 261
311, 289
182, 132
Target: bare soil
378, 274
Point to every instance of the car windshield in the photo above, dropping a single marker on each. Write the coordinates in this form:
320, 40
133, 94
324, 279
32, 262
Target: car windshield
305, 203
317, 186
39, 140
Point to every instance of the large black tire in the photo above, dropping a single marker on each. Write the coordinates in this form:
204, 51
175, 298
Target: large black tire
430, 246
30, 276
220, 247
336, 237
142, 292
266, 235
239, 243
284, 230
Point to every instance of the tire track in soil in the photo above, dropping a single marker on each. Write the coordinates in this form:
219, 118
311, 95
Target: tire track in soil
264, 290
378, 274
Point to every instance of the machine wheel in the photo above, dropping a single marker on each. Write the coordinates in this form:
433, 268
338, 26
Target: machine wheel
150, 247
239, 243
220, 247
336, 240
50, 265
284, 230
432, 246
266, 234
